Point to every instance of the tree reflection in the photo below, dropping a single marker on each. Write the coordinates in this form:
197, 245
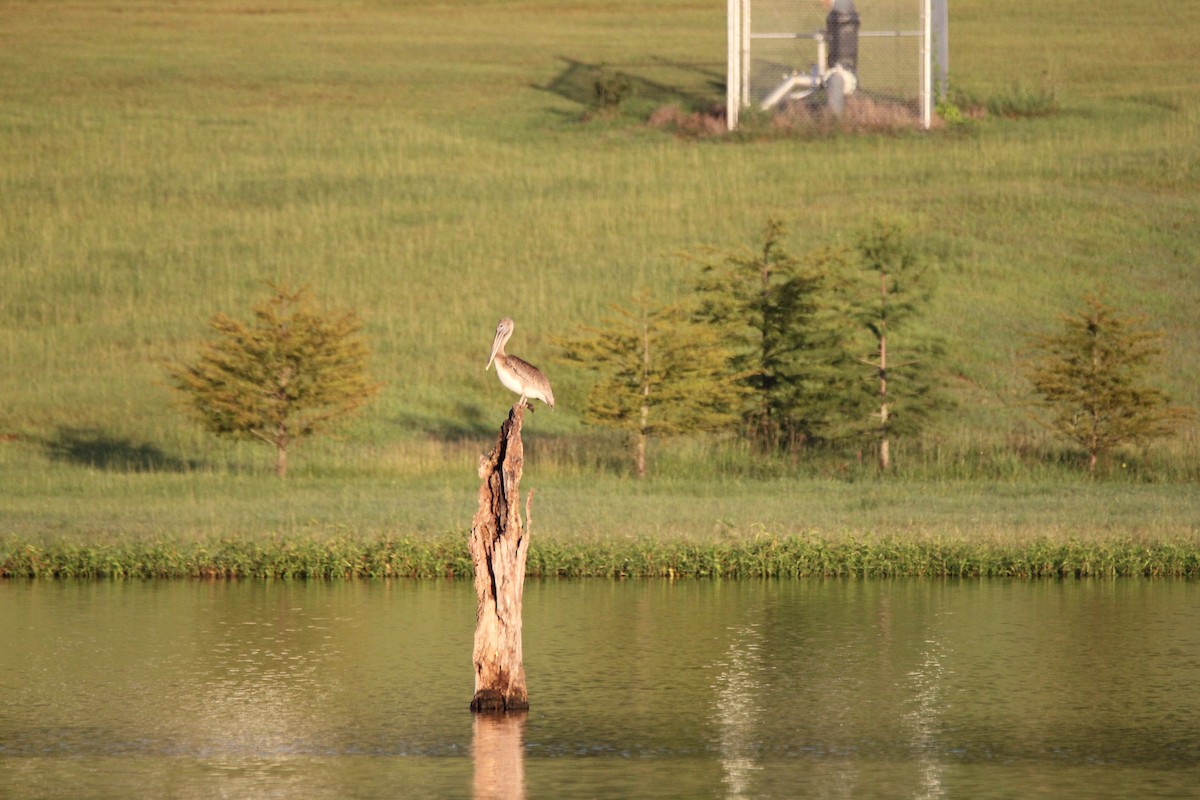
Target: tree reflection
498, 752
738, 713
924, 719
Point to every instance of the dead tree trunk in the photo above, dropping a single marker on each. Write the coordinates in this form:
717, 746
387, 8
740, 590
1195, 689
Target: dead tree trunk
498, 550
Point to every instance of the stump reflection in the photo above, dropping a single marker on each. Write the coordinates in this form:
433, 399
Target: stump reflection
498, 752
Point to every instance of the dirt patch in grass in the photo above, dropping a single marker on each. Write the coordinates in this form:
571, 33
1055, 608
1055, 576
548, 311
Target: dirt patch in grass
861, 114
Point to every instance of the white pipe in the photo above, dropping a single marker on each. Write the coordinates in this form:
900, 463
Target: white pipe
785, 88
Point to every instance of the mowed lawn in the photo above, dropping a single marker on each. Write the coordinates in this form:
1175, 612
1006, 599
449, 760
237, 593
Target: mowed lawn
434, 168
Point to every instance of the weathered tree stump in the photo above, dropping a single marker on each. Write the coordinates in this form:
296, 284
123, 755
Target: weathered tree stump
498, 549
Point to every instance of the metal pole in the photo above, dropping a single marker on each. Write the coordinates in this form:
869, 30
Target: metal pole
942, 25
733, 64
745, 49
926, 65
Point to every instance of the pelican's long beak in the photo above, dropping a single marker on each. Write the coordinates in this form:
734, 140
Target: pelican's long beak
497, 343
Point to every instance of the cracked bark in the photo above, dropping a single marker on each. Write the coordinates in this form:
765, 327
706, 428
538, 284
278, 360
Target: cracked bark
499, 546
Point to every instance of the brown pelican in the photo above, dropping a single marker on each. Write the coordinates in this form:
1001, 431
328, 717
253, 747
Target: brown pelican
520, 376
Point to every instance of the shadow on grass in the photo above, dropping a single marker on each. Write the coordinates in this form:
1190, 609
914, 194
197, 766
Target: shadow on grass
577, 82
467, 421
92, 447
475, 427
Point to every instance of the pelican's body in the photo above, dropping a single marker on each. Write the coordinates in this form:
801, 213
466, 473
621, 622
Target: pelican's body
517, 374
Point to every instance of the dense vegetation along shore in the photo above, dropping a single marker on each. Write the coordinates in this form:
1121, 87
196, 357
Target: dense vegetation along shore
792, 556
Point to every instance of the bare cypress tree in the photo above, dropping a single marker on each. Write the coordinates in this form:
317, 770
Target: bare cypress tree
290, 373
1088, 379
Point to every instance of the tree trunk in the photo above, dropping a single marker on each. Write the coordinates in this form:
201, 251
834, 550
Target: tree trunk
644, 417
498, 550
640, 459
885, 455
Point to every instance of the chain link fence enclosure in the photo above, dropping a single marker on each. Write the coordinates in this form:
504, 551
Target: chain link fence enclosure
876, 55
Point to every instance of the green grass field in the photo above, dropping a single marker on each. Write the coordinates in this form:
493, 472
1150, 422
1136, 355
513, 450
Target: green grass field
430, 167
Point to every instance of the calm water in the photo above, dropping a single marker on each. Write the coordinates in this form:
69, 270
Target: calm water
638, 689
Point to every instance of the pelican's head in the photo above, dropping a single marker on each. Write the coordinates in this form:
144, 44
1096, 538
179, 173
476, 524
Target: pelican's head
503, 332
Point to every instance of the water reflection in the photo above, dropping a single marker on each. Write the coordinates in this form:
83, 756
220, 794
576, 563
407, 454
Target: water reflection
924, 718
264, 693
918, 689
738, 714
498, 755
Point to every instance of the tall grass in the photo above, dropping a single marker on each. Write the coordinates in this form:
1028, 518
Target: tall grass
430, 167
797, 556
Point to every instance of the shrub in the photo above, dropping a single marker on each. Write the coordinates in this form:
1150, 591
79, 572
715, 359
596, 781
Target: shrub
290, 373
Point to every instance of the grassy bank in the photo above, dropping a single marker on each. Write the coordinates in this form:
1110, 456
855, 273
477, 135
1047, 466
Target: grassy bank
430, 166
798, 556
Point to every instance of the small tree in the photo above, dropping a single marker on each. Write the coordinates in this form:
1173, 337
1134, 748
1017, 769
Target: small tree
892, 289
1088, 379
768, 307
660, 375
290, 373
